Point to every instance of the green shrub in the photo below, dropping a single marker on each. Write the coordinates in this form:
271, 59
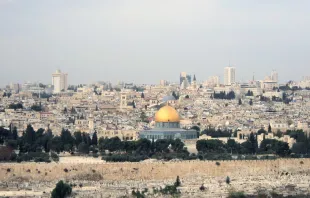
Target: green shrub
13, 157
227, 180
41, 159
61, 190
177, 182
124, 158
137, 194
34, 156
54, 157
170, 190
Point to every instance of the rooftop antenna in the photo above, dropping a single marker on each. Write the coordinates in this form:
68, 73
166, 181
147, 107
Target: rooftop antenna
253, 76
39, 90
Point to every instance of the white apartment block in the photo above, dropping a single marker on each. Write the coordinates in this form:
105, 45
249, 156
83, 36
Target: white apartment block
229, 75
59, 81
274, 76
213, 81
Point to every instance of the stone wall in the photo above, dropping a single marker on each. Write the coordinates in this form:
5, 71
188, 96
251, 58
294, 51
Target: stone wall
150, 171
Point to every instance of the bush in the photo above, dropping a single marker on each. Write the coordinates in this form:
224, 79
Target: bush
170, 190
217, 156
18, 160
169, 156
13, 157
40, 159
227, 180
124, 158
54, 157
83, 148
34, 156
61, 190
234, 194
5, 152
137, 194
177, 182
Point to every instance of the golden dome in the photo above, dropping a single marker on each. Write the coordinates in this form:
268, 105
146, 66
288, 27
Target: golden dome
167, 114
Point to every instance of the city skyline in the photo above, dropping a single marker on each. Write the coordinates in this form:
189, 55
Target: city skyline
136, 98
273, 76
143, 42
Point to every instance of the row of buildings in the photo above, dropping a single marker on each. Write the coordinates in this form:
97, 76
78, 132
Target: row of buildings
127, 113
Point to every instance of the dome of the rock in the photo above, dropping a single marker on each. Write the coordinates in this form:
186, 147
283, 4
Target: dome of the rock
167, 114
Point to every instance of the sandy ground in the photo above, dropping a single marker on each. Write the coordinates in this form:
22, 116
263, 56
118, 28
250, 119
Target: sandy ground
191, 148
80, 159
102, 178
21, 193
32, 193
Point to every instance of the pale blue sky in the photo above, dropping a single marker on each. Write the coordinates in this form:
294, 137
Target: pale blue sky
145, 41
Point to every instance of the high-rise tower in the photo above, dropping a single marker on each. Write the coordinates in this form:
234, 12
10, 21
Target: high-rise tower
182, 77
60, 81
274, 76
229, 75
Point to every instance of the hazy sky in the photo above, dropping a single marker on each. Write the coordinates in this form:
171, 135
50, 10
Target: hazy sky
143, 41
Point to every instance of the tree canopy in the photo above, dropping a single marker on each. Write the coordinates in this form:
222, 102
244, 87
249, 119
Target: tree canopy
61, 190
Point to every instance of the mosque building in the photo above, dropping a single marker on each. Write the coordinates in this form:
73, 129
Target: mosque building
167, 126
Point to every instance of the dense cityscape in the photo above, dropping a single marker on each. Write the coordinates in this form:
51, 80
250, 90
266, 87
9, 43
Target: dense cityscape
127, 122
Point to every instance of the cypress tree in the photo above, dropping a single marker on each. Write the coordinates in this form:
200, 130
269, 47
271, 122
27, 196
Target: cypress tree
177, 182
269, 129
15, 134
94, 140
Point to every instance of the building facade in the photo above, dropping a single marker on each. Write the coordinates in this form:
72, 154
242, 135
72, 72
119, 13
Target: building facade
167, 126
59, 81
229, 75
274, 76
185, 77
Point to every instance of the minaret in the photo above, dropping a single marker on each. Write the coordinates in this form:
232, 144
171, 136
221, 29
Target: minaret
123, 100
91, 122
194, 83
